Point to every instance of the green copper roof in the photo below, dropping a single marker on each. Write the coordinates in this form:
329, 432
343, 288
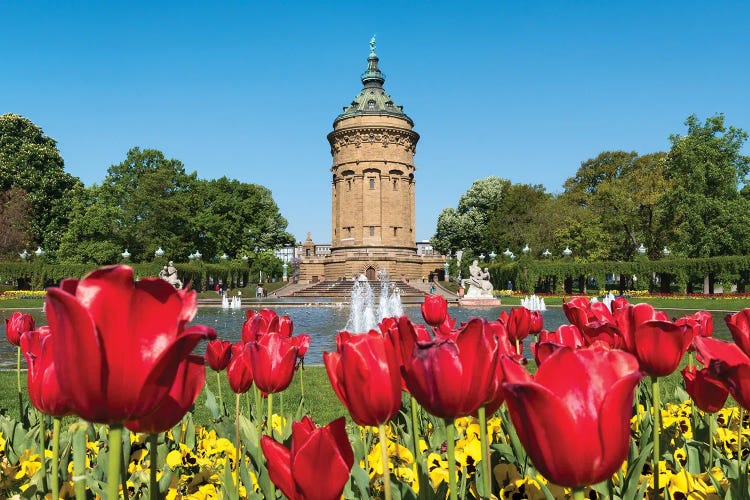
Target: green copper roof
372, 99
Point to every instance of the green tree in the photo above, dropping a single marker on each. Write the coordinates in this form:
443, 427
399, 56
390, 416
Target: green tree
149, 201
15, 211
620, 189
704, 212
236, 218
95, 233
515, 221
466, 226
29, 160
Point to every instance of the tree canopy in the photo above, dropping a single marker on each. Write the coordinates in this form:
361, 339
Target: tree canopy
704, 212
30, 161
149, 201
694, 199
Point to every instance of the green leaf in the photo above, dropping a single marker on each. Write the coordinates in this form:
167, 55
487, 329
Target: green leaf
630, 488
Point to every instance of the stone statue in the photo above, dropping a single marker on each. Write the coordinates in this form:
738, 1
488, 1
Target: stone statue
479, 282
169, 274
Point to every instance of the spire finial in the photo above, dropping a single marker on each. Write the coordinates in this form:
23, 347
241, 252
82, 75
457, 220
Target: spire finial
372, 45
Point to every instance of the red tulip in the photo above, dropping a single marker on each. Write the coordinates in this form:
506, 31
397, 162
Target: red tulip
700, 324
578, 311
573, 416
240, 369
708, 393
449, 376
18, 324
119, 343
187, 386
594, 320
518, 323
739, 326
263, 322
365, 374
44, 390
566, 335
728, 364
302, 343
403, 336
494, 395
658, 343
318, 464
273, 357
434, 309
536, 323
218, 354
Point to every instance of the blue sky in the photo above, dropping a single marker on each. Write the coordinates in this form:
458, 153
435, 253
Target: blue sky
521, 90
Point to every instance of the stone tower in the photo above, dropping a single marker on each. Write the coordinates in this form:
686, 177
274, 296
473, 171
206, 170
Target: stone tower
373, 143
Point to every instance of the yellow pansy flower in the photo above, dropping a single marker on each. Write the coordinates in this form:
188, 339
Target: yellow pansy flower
437, 469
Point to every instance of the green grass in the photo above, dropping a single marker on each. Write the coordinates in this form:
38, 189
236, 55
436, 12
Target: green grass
721, 303
320, 401
21, 303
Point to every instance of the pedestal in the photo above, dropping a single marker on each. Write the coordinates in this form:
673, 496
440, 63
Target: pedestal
479, 302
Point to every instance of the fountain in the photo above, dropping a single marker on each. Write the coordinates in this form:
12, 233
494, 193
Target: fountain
533, 303
236, 302
362, 316
607, 300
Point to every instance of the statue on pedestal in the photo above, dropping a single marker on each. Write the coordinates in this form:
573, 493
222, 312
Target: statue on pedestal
479, 282
169, 274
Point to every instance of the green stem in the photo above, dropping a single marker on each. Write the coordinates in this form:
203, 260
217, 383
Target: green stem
18, 385
739, 448
415, 442
249, 406
301, 385
42, 449
710, 441
258, 405
578, 494
237, 445
269, 429
384, 458
487, 469
55, 458
115, 459
79, 460
124, 468
657, 424
153, 450
451, 436
218, 388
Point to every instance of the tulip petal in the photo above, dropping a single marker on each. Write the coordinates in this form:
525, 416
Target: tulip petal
187, 386
614, 427
76, 339
660, 346
558, 447
279, 464
316, 455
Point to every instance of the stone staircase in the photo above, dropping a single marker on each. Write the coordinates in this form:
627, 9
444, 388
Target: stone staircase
342, 290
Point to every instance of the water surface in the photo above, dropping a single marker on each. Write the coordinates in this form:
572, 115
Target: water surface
322, 324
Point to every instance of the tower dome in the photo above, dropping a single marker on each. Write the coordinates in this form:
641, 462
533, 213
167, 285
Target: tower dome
372, 99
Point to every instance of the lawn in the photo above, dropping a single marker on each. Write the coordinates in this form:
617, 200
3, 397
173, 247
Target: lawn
320, 400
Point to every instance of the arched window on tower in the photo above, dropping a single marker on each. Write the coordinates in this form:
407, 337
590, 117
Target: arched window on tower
372, 182
371, 104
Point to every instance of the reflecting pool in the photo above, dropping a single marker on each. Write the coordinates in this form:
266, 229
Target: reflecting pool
322, 324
